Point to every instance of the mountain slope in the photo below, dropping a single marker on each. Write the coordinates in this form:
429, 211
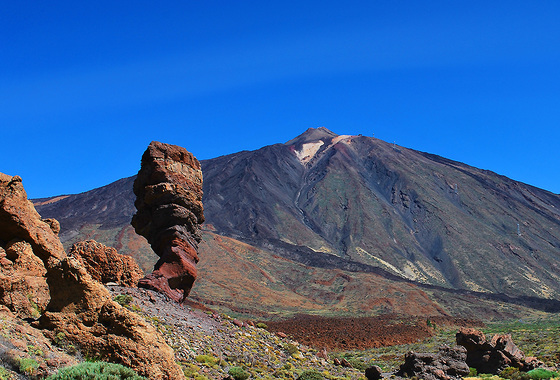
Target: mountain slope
416, 215
354, 204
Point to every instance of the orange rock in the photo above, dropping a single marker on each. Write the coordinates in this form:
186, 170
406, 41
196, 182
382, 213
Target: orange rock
104, 264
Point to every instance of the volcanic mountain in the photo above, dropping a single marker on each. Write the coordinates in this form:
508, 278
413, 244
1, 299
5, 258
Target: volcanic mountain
323, 220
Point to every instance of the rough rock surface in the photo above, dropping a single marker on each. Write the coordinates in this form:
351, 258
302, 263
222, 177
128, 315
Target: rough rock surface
168, 192
20, 220
495, 355
23, 287
83, 309
36, 274
105, 265
448, 363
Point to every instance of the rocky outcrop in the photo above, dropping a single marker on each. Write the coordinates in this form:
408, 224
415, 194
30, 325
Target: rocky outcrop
37, 277
495, 355
168, 192
449, 363
105, 264
20, 220
28, 247
83, 310
23, 287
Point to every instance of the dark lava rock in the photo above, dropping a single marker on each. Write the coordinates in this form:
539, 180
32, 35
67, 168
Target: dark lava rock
495, 355
374, 373
448, 363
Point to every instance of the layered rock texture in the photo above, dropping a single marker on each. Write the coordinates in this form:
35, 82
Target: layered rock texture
168, 192
37, 279
105, 264
493, 356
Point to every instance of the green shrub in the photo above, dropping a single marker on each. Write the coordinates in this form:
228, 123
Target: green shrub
539, 373
261, 325
208, 360
291, 348
97, 371
472, 372
5, 374
27, 366
123, 299
238, 373
513, 373
310, 375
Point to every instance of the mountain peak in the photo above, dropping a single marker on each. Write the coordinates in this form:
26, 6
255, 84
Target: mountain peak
312, 135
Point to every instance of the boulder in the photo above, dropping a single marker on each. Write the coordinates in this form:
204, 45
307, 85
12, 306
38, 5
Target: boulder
105, 265
449, 363
374, 373
169, 207
83, 310
495, 355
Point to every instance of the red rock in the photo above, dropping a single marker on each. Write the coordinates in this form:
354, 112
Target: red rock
168, 192
281, 334
105, 265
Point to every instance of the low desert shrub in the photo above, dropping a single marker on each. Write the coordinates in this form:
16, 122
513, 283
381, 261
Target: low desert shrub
5, 374
27, 366
310, 375
291, 348
262, 325
123, 299
513, 373
208, 360
97, 371
539, 373
238, 373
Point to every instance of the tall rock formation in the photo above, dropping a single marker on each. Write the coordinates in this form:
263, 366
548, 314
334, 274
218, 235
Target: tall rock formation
168, 192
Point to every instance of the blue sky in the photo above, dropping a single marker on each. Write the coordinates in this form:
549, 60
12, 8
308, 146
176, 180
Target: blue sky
84, 87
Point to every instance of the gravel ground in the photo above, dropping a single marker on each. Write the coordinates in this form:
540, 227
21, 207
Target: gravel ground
208, 345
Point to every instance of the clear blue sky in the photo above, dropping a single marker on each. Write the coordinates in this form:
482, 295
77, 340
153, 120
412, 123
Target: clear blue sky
85, 86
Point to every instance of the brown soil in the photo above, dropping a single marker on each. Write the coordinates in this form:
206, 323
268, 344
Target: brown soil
340, 334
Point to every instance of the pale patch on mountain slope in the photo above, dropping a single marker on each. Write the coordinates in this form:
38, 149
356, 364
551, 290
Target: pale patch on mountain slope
308, 151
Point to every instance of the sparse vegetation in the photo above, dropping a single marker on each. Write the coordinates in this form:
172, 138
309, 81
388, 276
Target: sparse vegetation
27, 366
238, 373
123, 299
5, 374
96, 370
310, 375
207, 360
